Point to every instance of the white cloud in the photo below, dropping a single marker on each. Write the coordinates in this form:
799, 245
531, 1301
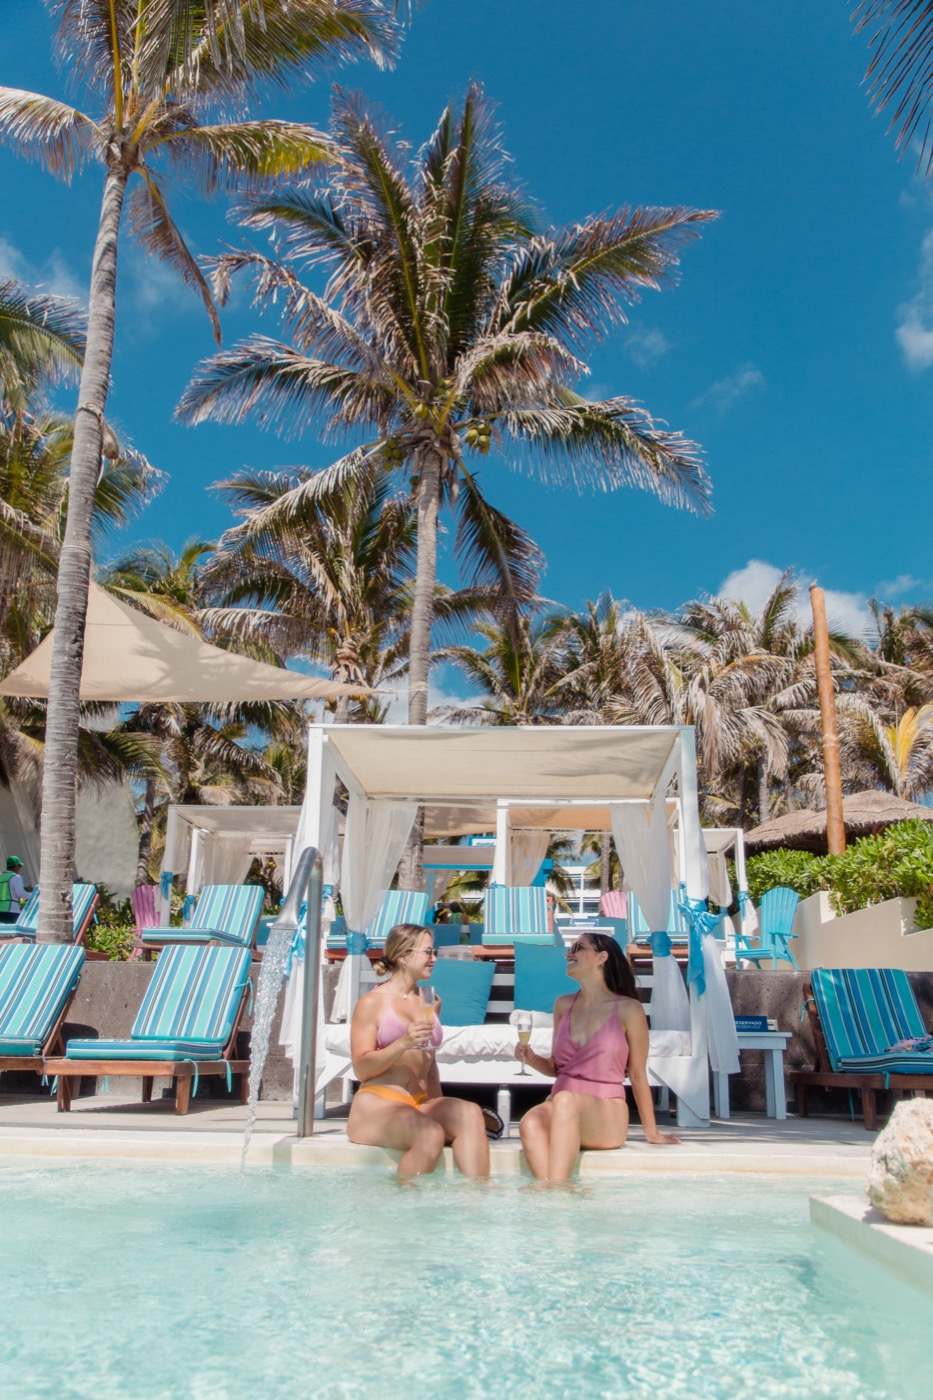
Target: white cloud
398, 707
914, 331
753, 585
53, 274
724, 393
903, 583
647, 345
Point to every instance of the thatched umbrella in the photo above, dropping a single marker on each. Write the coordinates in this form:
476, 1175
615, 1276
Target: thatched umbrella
863, 812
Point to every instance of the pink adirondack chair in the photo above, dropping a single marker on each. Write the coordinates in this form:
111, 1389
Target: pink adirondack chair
145, 912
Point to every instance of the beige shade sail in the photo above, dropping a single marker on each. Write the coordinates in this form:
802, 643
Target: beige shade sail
129, 656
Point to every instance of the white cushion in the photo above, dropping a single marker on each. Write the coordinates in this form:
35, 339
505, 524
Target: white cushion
496, 1041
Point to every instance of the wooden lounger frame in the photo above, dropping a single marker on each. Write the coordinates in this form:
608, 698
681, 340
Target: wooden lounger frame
180, 1072
868, 1085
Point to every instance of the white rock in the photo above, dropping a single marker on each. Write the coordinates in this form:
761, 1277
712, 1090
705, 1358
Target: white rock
900, 1179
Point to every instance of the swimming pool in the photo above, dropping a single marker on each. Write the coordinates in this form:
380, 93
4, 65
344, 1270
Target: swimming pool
214, 1285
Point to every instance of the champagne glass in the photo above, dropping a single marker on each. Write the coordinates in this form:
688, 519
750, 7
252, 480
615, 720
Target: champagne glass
428, 999
523, 1029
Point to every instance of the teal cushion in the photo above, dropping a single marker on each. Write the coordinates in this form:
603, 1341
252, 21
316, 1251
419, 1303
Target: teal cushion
22, 1048
464, 989
540, 977
141, 1050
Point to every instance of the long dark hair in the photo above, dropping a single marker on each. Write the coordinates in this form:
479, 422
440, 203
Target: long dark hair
617, 970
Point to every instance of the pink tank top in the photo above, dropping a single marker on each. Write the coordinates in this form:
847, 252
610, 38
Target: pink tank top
391, 1028
596, 1067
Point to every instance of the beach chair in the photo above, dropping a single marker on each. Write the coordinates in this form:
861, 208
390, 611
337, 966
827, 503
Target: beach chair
858, 1014
84, 901
776, 913
638, 929
516, 914
223, 914
37, 984
186, 1028
145, 904
613, 908
396, 907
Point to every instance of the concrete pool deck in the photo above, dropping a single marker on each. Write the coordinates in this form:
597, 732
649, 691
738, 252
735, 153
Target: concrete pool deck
106, 1127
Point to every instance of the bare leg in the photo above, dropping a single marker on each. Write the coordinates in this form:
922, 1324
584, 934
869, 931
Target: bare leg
378, 1123
582, 1120
466, 1132
535, 1130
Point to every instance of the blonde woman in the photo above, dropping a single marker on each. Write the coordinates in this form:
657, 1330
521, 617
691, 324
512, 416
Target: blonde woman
399, 1103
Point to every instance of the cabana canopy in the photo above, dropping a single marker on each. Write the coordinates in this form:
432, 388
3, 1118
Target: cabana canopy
131, 657
862, 812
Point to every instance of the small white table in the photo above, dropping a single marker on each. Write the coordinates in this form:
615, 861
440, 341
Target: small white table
773, 1043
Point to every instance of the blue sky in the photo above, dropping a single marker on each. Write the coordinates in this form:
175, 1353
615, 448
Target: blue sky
797, 347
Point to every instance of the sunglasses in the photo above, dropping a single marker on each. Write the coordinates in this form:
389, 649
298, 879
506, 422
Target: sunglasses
581, 948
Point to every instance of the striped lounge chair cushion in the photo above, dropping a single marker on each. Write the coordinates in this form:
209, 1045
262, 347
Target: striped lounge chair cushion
83, 900
35, 983
398, 907
516, 913
223, 913
143, 1050
863, 1011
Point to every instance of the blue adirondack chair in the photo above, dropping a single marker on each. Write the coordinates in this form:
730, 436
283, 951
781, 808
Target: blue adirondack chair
775, 922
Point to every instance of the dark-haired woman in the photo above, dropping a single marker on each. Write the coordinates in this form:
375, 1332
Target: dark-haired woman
600, 1034
400, 1103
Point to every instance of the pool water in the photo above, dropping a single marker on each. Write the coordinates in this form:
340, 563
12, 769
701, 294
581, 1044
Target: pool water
125, 1282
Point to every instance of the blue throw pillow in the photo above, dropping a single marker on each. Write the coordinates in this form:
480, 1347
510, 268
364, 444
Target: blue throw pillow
540, 976
464, 989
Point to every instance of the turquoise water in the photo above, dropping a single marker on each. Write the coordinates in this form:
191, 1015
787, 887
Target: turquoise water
209, 1284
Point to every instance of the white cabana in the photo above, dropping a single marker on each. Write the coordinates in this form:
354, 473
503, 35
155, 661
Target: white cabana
216, 845
533, 778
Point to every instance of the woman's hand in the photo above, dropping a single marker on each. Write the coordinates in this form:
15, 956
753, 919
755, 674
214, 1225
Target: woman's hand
418, 1036
659, 1139
523, 1053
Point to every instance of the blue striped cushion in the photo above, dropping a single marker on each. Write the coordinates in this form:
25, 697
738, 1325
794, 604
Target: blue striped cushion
895, 1062
35, 983
194, 994
227, 913
398, 907
142, 1050
516, 913
863, 1010
163, 936
83, 899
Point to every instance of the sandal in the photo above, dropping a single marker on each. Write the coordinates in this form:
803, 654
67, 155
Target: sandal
494, 1124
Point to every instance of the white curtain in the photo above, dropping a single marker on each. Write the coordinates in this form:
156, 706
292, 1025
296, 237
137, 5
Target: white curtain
373, 845
527, 850
227, 860
720, 890
641, 837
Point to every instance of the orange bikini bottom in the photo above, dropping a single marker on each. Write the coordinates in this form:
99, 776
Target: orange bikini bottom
393, 1094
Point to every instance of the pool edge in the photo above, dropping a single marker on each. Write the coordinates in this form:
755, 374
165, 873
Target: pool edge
906, 1250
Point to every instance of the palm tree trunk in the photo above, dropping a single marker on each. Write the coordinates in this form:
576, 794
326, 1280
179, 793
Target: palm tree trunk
419, 647
764, 792
411, 873
74, 570
604, 862
146, 820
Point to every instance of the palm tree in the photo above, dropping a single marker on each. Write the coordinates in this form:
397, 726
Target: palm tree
154, 71
41, 341
518, 672
901, 40
448, 323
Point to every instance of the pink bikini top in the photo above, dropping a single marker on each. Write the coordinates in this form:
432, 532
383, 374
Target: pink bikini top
391, 1028
600, 1061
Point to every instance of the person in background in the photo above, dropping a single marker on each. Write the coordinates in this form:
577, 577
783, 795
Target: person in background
13, 890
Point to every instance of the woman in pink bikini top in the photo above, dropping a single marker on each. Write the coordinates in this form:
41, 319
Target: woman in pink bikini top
400, 1103
600, 1035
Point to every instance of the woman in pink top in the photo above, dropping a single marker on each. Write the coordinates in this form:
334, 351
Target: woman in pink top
599, 1034
400, 1102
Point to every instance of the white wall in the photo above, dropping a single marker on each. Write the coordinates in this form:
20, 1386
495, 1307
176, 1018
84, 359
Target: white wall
107, 842
881, 936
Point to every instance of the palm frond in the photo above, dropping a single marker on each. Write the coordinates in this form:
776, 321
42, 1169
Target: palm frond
41, 337
153, 225
900, 36
498, 553
59, 136
247, 155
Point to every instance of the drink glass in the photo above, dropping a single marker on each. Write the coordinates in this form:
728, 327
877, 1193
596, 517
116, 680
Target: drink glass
523, 1030
428, 998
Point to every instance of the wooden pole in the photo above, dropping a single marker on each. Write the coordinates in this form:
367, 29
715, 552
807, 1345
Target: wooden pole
832, 770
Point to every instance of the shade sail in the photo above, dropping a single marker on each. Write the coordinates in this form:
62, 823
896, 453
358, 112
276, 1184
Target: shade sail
557, 763
129, 656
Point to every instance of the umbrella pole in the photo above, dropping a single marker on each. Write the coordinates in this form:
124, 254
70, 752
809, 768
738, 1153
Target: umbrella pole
832, 770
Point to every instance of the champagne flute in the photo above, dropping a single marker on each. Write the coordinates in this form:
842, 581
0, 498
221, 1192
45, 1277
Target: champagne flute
428, 999
523, 1029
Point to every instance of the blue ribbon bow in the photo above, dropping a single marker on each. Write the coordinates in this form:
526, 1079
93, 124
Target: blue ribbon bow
165, 883
700, 922
661, 945
356, 942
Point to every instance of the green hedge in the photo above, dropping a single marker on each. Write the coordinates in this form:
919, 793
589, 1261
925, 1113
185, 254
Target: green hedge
897, 863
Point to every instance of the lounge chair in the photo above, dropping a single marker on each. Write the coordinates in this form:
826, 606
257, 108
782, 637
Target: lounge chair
37, 984
638, 926
186, 1027
223, 914
858, 1014
84, 900
396, 907
516, 914
776, 922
